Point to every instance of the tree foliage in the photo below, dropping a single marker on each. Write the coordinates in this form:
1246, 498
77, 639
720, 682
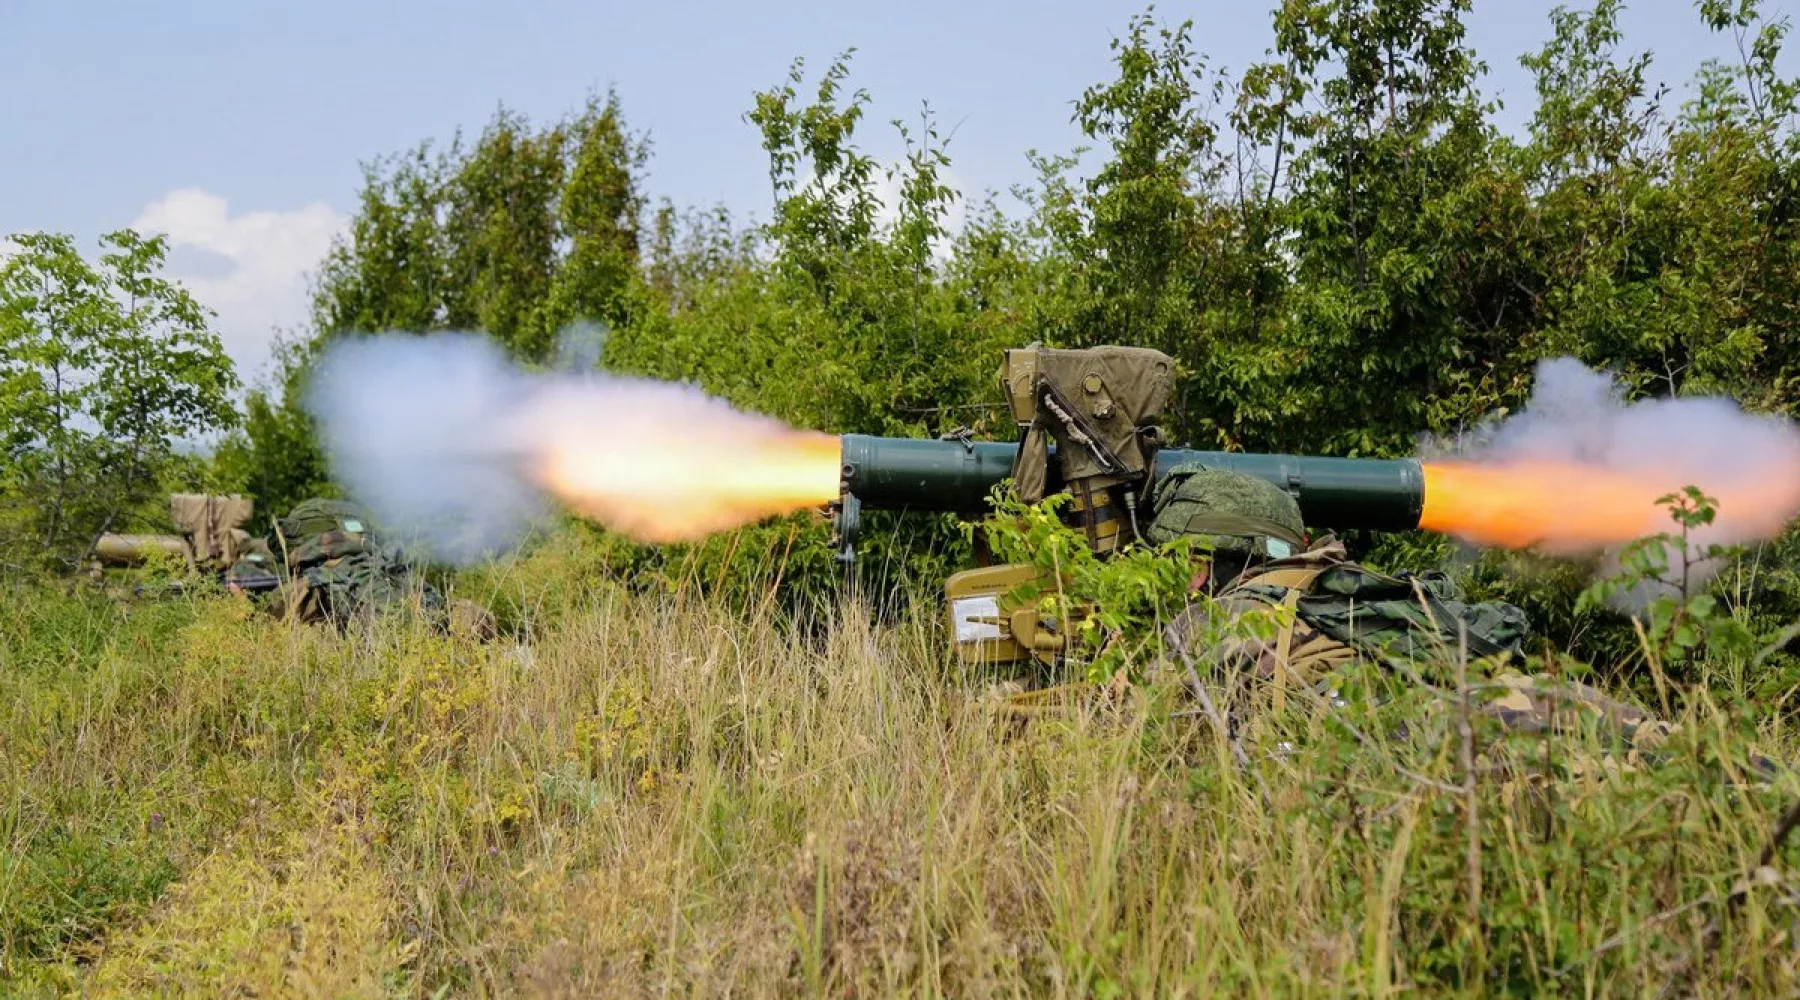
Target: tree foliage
1336, 242
519, 233
104, 367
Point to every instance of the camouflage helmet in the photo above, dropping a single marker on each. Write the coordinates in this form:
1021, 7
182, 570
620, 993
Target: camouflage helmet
321, 529
319, 514
1232, 511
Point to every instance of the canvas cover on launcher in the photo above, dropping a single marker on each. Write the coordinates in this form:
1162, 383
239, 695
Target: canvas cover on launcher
214, 525
1098, 404
210, 536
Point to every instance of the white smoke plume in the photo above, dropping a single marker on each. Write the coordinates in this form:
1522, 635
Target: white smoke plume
457, 449
417, 429
1578, 469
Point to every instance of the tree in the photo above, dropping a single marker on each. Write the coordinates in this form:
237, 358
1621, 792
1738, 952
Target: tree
1172, 243
599, 217
520, 235
1403, 219
392, 272
103, 369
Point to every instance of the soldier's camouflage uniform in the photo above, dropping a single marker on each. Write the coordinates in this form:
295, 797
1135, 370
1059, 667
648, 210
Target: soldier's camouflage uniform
1334, 613
253, 572
340, 567
1295, 654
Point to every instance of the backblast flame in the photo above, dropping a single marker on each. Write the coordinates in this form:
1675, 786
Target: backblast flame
453, 444
1567, 508
1580, 469
674, 465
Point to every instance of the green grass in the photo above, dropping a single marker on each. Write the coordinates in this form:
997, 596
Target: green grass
653, 795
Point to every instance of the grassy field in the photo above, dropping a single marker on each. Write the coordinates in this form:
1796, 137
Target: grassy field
637, 796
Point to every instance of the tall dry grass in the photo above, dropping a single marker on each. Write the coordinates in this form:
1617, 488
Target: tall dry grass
652, 796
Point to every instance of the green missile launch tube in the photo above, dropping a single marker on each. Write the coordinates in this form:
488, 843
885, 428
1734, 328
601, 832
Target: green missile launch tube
1386, 494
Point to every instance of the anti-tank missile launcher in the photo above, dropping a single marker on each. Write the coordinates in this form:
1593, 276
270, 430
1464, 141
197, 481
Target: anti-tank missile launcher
1088, 428
212, 540
958, 475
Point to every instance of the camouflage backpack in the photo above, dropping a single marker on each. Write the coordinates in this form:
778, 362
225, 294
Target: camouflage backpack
339, 564
1416, 616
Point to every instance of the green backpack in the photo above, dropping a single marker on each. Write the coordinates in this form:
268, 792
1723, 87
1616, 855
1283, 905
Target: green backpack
1414, 616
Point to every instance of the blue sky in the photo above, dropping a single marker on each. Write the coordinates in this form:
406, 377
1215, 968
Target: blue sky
238, 127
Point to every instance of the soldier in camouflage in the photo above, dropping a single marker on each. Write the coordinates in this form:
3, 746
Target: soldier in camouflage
1340, 612
252, 573
339, 567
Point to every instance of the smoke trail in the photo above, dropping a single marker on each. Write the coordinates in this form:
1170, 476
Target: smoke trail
452, 444
580, 347
1579, 469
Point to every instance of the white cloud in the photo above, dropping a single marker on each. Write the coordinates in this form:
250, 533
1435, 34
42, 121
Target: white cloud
885, 187
260, 261
956, 213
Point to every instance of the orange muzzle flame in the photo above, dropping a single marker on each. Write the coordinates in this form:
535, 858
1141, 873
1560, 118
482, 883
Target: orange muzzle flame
673, 484
1566, 508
